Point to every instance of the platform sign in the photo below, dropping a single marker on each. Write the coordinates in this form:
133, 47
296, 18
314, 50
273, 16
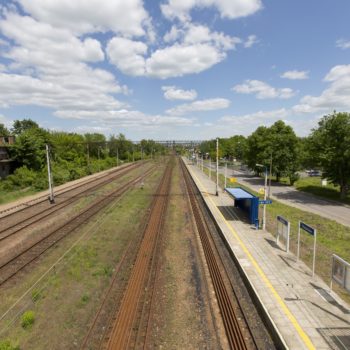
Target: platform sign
341, 271
313, 232
265, 201
233, 179
283, 231
261, 190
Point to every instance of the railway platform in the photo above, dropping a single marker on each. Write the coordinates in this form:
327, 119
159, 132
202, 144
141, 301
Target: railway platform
302, 310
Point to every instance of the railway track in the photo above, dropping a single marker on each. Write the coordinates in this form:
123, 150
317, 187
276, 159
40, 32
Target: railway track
129, 327
21, 260
38, 216
7, 213
238, 332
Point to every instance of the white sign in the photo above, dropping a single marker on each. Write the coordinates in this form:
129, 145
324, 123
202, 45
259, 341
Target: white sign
341, 272
283, 231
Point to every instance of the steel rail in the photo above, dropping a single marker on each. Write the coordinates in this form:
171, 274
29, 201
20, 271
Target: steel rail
235, 336
31, 253
126, 318
39, 216
43, 198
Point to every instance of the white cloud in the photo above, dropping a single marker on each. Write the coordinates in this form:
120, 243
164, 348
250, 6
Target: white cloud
252, 39
195, 49
200, 106
49, 68
127, 55
296, 74
179, 60
125, 118
174, 34
173, 93
257, 117
263, 90
335, 97
227, 8
343, 44
82, 17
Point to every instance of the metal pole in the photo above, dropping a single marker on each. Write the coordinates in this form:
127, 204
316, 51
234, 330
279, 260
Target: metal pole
98, 155
225, 174
298, 249
270, 175
288, 236
117, 157
217, 166
314, 258
51, 195
210, 168
264, 209
202, 163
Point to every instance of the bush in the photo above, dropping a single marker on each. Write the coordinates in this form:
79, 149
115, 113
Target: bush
6, 345
21, 178
27, 319
294, 177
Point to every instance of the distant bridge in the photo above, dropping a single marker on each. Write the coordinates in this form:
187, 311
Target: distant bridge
174, 143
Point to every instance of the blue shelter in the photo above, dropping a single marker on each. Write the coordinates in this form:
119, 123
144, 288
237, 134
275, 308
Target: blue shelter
247, 202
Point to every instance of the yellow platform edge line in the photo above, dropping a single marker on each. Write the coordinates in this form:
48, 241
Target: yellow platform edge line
280, 301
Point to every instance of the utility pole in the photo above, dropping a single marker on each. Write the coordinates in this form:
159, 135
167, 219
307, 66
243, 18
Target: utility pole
88, 157
117, 157
270, 175
202, 162
264, 209
51, 195
98, 155
225, 175
210, 168
217, 166
133, 155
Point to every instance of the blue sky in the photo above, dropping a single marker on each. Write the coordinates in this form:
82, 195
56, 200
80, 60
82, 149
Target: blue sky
174, 69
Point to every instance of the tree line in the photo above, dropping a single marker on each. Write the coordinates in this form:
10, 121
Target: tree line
72, 155
326, 148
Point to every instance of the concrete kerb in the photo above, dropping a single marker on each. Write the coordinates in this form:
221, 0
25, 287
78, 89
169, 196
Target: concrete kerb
268, 321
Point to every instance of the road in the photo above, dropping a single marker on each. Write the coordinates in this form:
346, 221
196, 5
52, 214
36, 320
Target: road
290, 196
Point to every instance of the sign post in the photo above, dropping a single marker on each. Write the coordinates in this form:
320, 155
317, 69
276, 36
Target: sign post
313, 232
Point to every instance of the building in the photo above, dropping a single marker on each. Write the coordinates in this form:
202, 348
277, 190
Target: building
6, 164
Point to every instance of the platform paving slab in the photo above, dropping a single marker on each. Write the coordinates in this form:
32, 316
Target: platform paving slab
290, 295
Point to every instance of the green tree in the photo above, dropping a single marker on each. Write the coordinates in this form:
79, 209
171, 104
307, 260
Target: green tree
29, 148
20, 126
277, 143
3, 130
330, 145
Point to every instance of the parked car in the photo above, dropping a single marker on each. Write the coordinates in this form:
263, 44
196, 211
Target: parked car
314, 173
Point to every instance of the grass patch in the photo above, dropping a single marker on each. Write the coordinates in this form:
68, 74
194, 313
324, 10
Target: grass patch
6, 345
313, 185
27, 319
7, 197
73, 290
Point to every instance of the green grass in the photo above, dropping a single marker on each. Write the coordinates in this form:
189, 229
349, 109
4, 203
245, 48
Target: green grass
313, 185
332, 237
7, 197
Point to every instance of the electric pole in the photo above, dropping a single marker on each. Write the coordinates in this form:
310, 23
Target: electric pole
51, 195
217, 166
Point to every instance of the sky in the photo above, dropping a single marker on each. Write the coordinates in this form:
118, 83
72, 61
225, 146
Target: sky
173, 69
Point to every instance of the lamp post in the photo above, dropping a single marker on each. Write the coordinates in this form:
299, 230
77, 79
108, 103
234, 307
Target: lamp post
265, 188
210, 168
217, 166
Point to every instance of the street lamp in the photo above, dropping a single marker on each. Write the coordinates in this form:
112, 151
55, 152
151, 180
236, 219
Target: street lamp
265, 188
